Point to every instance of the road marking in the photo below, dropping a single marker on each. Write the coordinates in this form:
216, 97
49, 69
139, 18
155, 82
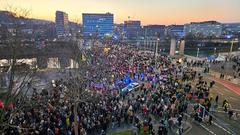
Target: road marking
218, 88
234, 98
221, 87
207, 129
237, 110
220, 93
222, 128
218, 111
202, 126
214, 124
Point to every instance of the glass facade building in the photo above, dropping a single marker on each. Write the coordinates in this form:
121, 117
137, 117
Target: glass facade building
154, 30
132, 29
232, 28
176, 31
61, 20
204, 29
97, 24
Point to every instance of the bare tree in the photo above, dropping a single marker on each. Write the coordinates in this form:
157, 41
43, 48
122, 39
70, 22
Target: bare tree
18, 82
78, 94
77, 81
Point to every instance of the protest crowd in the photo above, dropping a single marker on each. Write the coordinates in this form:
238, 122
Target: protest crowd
166, 90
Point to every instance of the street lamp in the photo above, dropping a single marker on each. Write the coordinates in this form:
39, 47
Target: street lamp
156, 52
231, 46
198, 51
234, 40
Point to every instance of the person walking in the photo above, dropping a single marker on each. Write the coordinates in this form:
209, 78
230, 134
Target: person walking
180, 130
216, 100
224, 102
226, 105
160, 130
210, 120
179, 120
230, 114
150, 127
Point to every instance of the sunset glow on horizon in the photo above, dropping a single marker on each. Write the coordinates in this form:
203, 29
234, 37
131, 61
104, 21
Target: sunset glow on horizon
148, 11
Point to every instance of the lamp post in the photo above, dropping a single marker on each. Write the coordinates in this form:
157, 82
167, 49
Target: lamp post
156, 52
198, 51
215, 51
231, 48
234, 40
145, 42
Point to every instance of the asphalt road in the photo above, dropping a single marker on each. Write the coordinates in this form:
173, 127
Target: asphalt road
221, 125
234, 101
227, 67
197, 130
225, 93
205, 129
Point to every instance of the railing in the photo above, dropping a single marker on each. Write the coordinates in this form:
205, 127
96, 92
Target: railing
219, 123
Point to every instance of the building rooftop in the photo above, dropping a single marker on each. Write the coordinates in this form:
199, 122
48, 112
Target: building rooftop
97, 13
206, 22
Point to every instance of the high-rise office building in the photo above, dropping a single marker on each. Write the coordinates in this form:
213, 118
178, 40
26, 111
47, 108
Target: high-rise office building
154, 30
61, 20
132, 29
176, 31
232, 28
204, 29
118, 30
97, 25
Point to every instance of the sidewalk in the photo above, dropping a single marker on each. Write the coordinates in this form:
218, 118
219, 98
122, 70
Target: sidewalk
231, 86
126, 128
233, 124
228, 78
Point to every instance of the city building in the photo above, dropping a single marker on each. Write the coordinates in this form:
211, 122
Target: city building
203, 29
97, 25
118, 31
132, 29
44, 31
74, 30
176, 31
154, 30
231, 28
3, 33
61, 20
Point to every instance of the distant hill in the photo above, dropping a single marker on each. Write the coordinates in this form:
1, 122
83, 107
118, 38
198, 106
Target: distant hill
7, 17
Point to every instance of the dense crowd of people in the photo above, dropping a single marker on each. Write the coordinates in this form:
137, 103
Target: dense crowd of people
166, 92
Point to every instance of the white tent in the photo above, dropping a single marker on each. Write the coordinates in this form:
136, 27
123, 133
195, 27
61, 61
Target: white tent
221, 58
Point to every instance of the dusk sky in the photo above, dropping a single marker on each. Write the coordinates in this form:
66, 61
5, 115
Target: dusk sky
148, 11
